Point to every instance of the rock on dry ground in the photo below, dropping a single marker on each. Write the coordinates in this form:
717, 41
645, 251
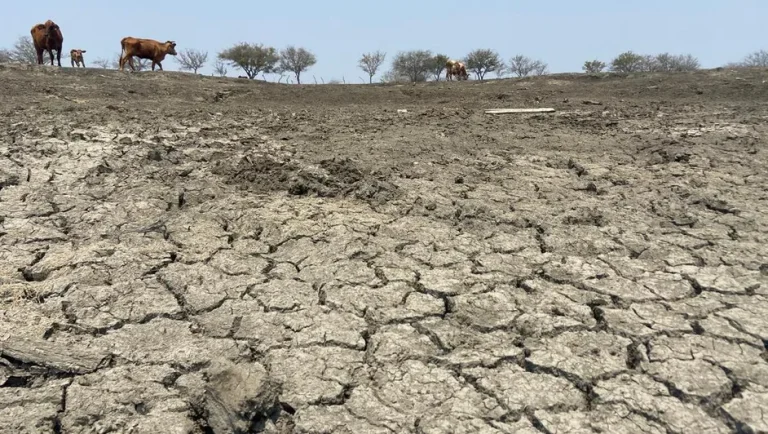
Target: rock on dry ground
185, 254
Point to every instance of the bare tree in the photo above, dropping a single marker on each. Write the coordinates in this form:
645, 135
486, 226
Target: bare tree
675, 63
23, 51
296, 60
102, 63
417, 65
522, 66
438, 65
253, 59
483, 61
138, 63
219, 68
539, 67
5, 55
191, 59
756, 59
632, 62
593, 66
370, 63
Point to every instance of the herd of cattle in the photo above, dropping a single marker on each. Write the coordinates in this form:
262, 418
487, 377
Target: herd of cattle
48, 37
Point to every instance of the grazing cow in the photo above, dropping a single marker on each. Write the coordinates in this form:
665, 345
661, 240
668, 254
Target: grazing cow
456, 68
77, 57
449, 69
145, 49
47, 37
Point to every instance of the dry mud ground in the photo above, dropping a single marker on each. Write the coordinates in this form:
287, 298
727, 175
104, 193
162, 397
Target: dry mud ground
181, 254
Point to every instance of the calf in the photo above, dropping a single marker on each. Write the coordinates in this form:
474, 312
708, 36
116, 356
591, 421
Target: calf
145, 49
47, 37
77, 57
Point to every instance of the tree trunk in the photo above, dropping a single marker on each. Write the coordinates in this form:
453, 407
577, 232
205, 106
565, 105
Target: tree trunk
298, 77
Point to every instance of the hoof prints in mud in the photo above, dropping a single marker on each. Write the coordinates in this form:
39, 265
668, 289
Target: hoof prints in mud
329, 178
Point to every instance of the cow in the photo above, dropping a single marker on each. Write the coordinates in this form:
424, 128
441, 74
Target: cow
145, 49
455, 68
76, 56
449, 69
47, 37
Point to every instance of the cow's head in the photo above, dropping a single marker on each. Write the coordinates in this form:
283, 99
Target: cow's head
170, 47
50, 28
75, 53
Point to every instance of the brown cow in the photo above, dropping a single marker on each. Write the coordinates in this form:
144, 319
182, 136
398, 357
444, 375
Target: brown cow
77, 57
455, 68
47, 37
145, 49
449, 69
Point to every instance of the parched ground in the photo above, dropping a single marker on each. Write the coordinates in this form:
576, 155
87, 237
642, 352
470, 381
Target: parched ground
184, 254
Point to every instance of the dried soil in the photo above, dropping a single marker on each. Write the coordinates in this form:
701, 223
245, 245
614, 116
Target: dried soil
185, 254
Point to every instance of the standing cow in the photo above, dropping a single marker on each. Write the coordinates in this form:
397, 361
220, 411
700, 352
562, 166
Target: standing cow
455, 68
77, 57
47, 37
145, 49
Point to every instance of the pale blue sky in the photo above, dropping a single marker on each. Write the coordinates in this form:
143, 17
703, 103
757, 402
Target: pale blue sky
563, 33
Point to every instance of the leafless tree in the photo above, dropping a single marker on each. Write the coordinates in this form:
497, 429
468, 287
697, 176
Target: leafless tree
370, 63
139, 64
296, 60
756, 59
483, 61
102, 63
191, 59
523, 66
632, 62
593, 66
219, 68
675, 63
5, 55
23, 51
539, 67
253, 59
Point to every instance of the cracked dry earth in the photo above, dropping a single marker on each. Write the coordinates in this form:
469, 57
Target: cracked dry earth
184, 254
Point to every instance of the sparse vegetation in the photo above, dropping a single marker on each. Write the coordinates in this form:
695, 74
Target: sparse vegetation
5, 55
416, 65
630, 61
296, 60
593, 66
191, 59
219, 68
523, 66
483, 61
23, 51
102, 63
438, 65
371, 62
757, 59
253, 59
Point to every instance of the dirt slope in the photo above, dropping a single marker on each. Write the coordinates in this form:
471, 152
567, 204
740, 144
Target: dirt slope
185, 254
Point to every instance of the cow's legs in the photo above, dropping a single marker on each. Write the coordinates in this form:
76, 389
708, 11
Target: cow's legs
39, 55
50, 55
58, 56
